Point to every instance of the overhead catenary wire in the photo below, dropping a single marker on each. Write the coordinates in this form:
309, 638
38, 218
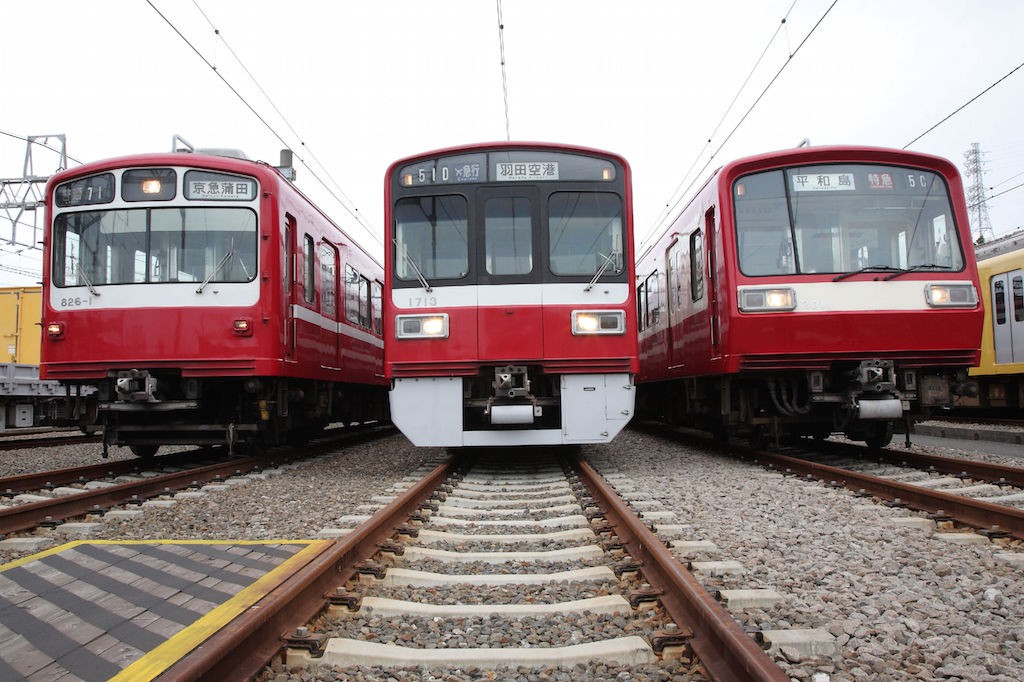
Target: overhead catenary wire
344, 203
965, 105
681, 196
504, 73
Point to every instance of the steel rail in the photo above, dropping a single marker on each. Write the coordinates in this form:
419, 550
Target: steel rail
56, 477
23, 517
727, 652
969, 511
241, 649
981, 471
47, 442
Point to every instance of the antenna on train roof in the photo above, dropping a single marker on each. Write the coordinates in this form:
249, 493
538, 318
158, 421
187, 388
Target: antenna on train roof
188, 147
806, 142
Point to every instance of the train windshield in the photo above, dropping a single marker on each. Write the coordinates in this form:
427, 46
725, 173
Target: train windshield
173, 244
844, 218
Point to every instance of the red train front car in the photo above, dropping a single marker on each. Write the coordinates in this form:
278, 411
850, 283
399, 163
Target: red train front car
809, 292
510, 317
208, 301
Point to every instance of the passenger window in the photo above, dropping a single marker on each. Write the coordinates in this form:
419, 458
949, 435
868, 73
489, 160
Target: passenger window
308, 262
328, 273
653, 297
999, 302
696, 265
1018, 299
375, 308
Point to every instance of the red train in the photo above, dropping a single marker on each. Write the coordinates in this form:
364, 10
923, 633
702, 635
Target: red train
509, 312
811, 291
209, 301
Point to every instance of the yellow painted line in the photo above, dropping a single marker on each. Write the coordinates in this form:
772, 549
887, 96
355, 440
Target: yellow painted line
174, 649
71, 545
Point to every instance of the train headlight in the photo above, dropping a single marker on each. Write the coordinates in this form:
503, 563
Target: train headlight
951, 295
587, 322
763, 300
242, 326
433, 326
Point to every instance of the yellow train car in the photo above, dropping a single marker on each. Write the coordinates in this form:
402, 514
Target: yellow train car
1000, 375
20, 312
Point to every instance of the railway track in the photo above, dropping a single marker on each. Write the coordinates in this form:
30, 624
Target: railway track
12, 443
499, 561
966, 492
95, 489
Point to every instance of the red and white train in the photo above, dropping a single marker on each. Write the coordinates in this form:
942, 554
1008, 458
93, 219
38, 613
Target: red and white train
509, 305
812, 291
209, 301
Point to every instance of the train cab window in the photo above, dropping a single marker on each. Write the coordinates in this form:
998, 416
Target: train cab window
585, 233
431, 238
508, 236
328, 279
696, 266
122, 246
308, 265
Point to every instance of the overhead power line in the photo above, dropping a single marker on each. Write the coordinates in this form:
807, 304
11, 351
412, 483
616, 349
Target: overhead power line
965, 104
504, 74
681, 196
353, 210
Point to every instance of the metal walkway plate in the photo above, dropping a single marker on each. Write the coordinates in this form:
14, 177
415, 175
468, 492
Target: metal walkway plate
123, 610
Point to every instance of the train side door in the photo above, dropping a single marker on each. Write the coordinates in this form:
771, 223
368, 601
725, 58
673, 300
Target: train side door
330, 332
674, 308
710, 241
1008, 316
288, 269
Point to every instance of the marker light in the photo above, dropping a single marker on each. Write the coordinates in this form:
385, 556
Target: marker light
55, 331
951, 295
434, 326
606, 174
151, 186
589, 322
767, 300
242, 326
407, 180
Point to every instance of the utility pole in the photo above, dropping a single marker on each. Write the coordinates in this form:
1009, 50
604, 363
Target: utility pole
27, 193
977, 207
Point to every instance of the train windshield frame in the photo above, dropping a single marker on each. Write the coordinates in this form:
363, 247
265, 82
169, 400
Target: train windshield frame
844, 218
155, 245
508, 216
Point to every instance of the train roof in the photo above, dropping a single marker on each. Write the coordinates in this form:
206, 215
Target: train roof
507, 144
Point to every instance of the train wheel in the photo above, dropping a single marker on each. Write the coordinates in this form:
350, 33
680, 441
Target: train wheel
144, 451
878, 435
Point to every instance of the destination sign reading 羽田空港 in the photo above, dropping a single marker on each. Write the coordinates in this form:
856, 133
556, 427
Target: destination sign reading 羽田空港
520, 171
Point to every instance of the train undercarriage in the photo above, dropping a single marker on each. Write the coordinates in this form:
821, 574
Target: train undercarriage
866, 401
145, 409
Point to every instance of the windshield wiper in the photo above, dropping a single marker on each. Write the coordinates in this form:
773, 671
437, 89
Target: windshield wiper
223, 261
85, 278
600, 271
922, 266
415, 268
870, 268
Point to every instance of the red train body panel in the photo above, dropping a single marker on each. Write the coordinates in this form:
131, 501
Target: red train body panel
500, 256
209, 301
811, 291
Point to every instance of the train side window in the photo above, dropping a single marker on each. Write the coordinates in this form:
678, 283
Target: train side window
653, 298
641, 306
999, 302
357, 297
376, 299
328, 278
308, 263
696, 265
289, 260
1018, 299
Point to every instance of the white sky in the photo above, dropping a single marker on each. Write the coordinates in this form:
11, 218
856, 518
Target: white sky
362, 84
